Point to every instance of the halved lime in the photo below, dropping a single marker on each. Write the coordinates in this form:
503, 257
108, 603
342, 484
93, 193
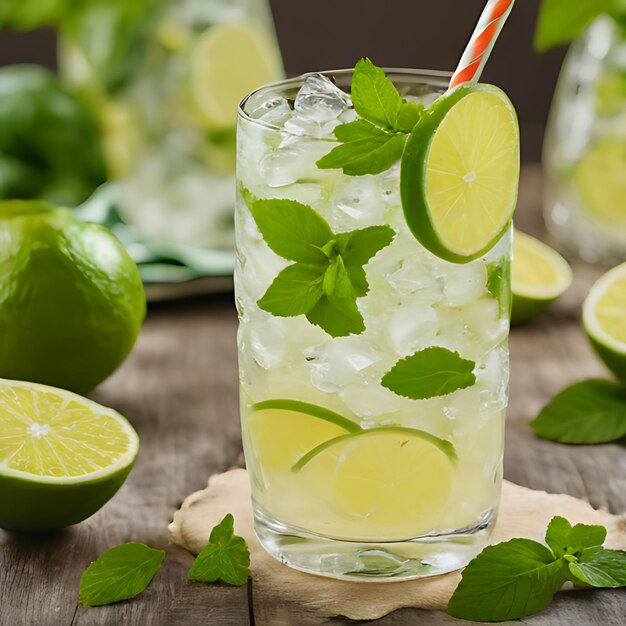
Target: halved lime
601, 181
460, 173
391, 478
540, 275
62, 457
227, 62
282, 431
604, 318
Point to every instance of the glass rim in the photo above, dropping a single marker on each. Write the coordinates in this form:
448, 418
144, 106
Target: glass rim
296, 80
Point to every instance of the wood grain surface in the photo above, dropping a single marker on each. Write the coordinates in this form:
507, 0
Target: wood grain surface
179, 388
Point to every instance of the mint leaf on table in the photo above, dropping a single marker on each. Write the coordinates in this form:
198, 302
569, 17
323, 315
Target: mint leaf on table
590, 412
563, 539
562, 21
369, 149
428, 373
294, 231
328, 274
508, 581
294, 291
599, 567
226, 557
375, 142
119, 574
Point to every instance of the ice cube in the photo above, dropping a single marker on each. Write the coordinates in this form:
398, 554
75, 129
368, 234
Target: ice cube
360, 200
275, 111
294, 160
412, 328
493, 377
320, 100
409, 276
263, 338
340, 362
464, 284
369, 400
306, 127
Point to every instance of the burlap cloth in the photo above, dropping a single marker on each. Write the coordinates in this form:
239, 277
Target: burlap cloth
523, 513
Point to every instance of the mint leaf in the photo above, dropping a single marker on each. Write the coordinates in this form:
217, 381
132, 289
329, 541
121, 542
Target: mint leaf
294, 291
292, 230
562, 21
593, 411
563, 539
367, 149
358, 247
409, 115
508, 581
499, 283
119, 574
600, 568
431, 372
374, 96
226, 557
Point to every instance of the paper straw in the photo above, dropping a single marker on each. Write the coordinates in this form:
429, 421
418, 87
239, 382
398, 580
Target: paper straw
481, 44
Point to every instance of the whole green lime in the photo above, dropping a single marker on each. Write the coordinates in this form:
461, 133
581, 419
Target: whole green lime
71, 299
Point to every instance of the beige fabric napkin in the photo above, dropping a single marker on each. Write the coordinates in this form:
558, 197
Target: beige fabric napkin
523, 513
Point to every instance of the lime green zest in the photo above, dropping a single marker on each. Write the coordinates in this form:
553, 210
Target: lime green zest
309, 409
445, 446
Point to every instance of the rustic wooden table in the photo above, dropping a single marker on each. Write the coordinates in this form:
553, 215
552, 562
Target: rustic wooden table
179, 388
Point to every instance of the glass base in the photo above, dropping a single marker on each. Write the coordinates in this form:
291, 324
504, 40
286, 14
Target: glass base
391, 561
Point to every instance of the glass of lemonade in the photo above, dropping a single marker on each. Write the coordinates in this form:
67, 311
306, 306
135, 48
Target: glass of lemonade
357, 471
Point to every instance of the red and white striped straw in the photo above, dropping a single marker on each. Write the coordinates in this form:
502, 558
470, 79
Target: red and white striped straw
481, 44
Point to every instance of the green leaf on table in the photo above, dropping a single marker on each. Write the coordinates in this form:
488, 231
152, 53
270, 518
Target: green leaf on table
119, 574
226, 557
358, 247
590, 412
428, 373
562, 21
294, 291
508, 581
294, 231
409, 115
366, 149
374, 96
599, 567
565, 539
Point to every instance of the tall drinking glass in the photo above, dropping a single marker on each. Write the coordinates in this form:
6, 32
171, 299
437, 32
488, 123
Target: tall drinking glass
349, 479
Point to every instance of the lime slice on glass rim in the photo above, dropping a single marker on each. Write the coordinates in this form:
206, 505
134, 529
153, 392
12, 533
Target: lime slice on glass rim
281, 431
604, 319
62, 457
540, 275
460, 173
388, 477
227, 62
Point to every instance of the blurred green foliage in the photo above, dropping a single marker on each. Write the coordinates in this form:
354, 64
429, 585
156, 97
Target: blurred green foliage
49, 142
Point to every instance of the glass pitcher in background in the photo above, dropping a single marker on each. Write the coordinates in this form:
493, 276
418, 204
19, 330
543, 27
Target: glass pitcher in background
585, 147
165, 77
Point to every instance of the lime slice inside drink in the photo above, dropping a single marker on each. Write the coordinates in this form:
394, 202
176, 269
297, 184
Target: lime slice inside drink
601, 181
604, 318
460, 172
540, 275
228, 61
62, 457
388, 477
282, 431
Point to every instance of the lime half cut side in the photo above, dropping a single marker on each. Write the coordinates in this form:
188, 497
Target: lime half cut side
228, 61
604, 318
281, 431
540, 275
62, 457
460, 173
384, 481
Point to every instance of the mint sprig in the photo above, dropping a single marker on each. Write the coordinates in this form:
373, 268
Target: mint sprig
562, 21
375, 142
589, 412
120, 573
518, 578
429, 373
225, 558
328, 274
